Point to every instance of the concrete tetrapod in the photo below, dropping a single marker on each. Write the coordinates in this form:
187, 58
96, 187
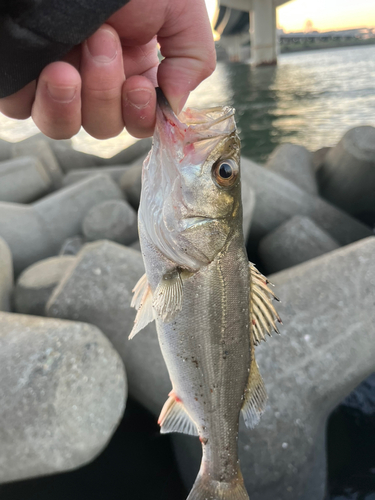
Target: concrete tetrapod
278, 199
347, 176
98, 289
36, 284
38, 231
296, 241
6, 276
113, 220
62, 394
295, 163
41, 150
23, 180
326, 348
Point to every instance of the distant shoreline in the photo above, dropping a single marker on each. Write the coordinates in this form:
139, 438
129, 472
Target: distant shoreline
331, 44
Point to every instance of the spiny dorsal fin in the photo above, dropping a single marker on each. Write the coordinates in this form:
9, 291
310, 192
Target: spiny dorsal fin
255, 395
168, 296
142, 301
174, 418
263, 315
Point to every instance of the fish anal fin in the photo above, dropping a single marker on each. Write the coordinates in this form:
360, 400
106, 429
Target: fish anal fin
255, 396
168, 296
145, 312
174, 418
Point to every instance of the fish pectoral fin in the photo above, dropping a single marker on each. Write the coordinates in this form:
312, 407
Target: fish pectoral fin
168, 296
263, 315
138, 292
145, 312
174, 418
255, 396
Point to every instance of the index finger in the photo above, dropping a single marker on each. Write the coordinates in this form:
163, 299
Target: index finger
187, 44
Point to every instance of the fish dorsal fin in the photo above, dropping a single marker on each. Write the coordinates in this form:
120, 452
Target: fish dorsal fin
174, 418
255, 395
142, 301
168, 296
263, 315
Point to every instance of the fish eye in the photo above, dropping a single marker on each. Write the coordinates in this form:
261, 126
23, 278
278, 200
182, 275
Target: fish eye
225, 172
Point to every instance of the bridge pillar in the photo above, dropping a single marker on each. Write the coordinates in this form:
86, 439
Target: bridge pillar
263, 32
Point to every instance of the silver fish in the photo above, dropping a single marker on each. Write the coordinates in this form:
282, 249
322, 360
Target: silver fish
211, 306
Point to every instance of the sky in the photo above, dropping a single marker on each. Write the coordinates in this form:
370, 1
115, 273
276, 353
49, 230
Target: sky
327, 14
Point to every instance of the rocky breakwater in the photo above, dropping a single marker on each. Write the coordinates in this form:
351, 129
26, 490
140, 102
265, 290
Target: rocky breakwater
63, 386
326, 347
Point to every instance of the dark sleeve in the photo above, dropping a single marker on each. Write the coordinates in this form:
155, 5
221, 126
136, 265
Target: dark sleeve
34, 33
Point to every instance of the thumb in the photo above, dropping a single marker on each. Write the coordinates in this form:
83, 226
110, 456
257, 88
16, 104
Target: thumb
187, 44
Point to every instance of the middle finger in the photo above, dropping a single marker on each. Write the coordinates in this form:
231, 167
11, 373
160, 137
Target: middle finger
102, 75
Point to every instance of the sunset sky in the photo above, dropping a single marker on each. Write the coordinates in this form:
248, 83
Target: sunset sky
327, 14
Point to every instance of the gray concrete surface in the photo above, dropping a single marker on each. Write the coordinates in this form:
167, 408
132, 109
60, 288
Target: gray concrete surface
62, 395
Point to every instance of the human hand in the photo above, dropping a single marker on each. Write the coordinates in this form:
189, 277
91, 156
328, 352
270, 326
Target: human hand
108, 81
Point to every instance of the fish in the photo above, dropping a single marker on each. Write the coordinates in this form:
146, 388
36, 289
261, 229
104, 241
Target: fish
210, 304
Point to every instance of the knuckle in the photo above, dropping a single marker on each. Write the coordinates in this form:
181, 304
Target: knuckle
107, 96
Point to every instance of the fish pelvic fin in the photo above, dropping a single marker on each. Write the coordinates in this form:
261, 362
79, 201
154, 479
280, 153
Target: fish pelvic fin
168, 296
174, 418
142, 301
255, 395
206, 488
263, 315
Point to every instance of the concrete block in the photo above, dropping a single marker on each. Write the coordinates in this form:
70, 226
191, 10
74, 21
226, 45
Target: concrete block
62, 394
248, 206
63, 212
25, 234
98, 289
113, 220
6, 276
5, 150
23, 180
36, 284
72, 246
326, 348
36, 232
40, 149
131, 183
278, 199
127, 155
295, 163
296, 241
347, 177
69, 158
318, 158
115, 172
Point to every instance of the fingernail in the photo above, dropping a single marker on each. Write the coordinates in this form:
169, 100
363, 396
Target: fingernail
61, 94
139, 98
102, 46
177, 103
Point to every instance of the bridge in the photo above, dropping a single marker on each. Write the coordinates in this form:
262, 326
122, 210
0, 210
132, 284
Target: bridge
263, 37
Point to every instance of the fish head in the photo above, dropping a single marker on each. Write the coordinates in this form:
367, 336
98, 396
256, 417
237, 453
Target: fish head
191, 192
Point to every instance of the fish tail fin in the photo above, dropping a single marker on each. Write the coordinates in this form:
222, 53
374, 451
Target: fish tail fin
206, 488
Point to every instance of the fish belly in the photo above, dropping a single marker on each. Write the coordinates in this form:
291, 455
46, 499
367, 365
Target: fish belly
206, 348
